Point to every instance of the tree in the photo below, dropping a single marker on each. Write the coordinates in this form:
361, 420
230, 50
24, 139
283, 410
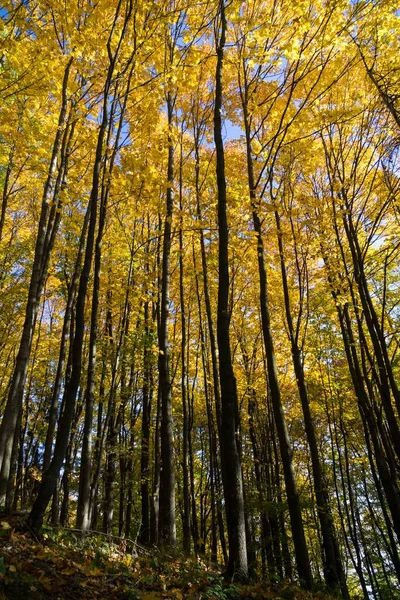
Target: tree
230, 460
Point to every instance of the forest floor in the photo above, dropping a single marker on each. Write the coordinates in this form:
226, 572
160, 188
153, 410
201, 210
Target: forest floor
61, 565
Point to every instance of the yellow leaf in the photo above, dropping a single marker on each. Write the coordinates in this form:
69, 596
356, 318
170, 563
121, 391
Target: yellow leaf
95, 572
12, 569
127, 560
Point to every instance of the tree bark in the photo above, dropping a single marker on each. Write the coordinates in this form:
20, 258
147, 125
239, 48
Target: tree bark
185, 429
167, 529
144, 535
231, 468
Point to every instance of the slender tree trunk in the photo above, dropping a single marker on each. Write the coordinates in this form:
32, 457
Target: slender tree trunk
68, 465
101, 432
185, 430
193, 503
231, 467
167, 530
155, 493
6, 190
213, 350
144, 536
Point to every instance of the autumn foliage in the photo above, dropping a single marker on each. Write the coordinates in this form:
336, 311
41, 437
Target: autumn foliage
199, 284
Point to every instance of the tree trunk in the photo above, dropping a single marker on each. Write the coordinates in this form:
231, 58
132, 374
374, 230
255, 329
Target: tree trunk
6, 189
155, 493
167, 530
144, 536
231, 468
185, 430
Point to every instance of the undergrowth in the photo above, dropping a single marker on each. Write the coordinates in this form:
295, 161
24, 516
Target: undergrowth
62, 564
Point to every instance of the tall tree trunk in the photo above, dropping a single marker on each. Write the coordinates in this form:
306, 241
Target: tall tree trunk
101, 432
144, 536
386, 379
185, 430
167, 529
155, 492
231, 467
68, 464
